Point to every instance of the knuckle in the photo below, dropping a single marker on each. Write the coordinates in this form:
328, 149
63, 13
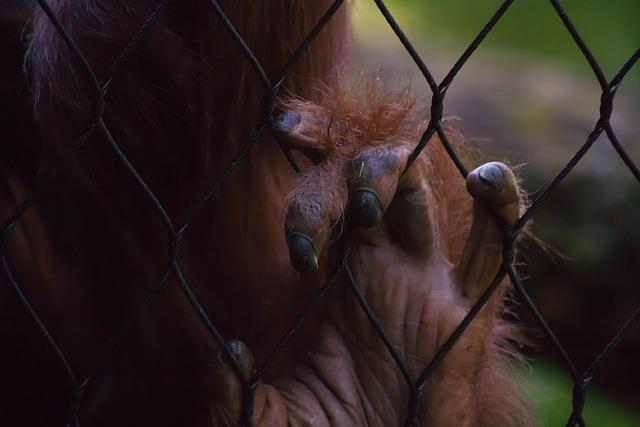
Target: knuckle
305, 211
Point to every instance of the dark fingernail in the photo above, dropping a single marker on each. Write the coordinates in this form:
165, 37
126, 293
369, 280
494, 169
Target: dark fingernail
237, 348
367, 208
242, 355
492, 176
287, 122
302, 253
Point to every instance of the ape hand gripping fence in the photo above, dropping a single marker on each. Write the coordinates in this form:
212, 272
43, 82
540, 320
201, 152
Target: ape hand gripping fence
417, 386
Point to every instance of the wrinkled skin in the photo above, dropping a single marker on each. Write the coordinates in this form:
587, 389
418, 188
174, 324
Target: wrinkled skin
400, 260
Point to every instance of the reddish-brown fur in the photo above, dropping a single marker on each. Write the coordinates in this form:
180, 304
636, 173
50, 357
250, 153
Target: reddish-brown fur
92, 246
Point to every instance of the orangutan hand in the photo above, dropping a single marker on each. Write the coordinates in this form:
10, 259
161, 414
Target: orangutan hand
400, 259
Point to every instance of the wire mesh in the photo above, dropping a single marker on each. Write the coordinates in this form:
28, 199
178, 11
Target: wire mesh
417, 387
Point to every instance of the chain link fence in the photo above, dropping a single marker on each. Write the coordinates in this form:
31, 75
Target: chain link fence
417, 387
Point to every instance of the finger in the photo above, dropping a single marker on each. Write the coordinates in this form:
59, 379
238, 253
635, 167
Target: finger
496, 185
379, 186
373, 179
306, 130
269, 408
314, 206
494, 189
227, 384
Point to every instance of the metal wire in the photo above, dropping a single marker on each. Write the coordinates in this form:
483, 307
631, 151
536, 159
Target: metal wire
342, 270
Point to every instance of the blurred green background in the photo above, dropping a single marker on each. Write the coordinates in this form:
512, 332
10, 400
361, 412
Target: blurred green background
611, 28
527, 96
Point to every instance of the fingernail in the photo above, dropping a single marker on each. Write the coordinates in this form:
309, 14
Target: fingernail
243, 355
492, 176
367, 208
236, 348
287, 122
302, 253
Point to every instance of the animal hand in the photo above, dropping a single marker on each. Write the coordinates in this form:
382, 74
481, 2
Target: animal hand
403, 262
